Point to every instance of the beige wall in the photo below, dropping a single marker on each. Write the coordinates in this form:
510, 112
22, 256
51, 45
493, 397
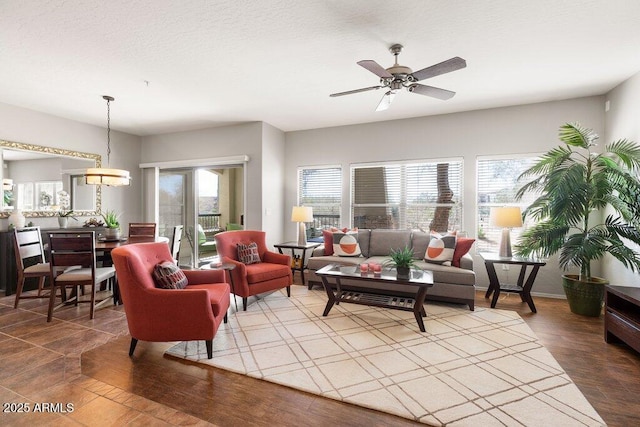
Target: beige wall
245, 139
622, 121
31, 127
519, 130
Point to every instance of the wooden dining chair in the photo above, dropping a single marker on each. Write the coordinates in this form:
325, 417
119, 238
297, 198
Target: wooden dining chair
72, 261
174, 245
142, 229
30, 261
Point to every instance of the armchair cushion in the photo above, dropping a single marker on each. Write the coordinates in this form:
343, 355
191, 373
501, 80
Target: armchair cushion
266, 271
167, 275
248, 253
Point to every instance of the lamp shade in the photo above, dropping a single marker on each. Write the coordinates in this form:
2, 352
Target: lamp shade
302, 214
107, 176
506, 217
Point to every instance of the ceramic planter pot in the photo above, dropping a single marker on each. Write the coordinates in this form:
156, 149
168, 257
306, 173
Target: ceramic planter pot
62, 221
403, 273
112, 233
585, 297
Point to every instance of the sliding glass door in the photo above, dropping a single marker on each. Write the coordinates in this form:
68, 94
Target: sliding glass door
206, 201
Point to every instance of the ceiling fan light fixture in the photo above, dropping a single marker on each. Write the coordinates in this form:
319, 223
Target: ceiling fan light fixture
108, 176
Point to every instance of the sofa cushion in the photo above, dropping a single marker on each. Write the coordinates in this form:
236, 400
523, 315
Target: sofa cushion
346, 243
317, 262
382, 241
448, 274
463, 245
363, 239
419, 242
167, 275
264, 271
248, 253
441, 249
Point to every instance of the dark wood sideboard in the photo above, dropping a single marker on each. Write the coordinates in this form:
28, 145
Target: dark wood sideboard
622, 315
8, 273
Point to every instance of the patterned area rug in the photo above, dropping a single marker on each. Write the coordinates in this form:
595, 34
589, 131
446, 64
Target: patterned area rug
470, 368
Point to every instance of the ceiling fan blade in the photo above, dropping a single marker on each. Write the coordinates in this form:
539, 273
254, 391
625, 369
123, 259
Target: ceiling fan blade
375, 68
386, 101
434, 92
349, 92
444, 67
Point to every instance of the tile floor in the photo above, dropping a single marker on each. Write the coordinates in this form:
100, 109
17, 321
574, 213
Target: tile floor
41, 364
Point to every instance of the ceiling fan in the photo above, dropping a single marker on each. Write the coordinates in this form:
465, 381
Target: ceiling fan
398, 76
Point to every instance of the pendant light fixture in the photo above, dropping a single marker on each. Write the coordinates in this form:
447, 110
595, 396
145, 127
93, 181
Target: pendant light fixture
108, 176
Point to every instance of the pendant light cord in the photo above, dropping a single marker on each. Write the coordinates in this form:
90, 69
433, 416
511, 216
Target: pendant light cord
108, 132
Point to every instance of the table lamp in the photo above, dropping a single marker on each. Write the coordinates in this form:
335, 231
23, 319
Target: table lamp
302, 214
505, 217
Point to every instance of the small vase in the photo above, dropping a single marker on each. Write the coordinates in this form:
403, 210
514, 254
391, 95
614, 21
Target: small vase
17, 219
62, 221
112, 233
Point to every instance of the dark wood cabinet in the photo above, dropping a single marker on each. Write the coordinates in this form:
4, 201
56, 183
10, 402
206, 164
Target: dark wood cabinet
8, 273
622, 315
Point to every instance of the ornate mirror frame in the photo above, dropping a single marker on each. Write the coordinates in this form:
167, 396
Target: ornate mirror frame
56, 152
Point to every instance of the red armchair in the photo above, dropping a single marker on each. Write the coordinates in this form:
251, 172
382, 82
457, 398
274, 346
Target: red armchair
160, 315
273, 272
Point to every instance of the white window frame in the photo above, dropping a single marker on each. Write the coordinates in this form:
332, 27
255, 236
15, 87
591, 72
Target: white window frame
320, 224
482, 220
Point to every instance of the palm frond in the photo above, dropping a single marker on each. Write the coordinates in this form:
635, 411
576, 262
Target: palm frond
627, 151
548, 162
576, 135
542, 240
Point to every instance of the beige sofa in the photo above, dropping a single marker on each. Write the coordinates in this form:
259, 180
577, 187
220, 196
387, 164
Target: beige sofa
451, 284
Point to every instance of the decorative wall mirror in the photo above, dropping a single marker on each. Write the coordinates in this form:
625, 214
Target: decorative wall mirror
34, 175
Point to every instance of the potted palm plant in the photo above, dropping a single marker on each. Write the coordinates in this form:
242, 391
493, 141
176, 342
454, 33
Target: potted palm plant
576, 185
402, 260
112, 225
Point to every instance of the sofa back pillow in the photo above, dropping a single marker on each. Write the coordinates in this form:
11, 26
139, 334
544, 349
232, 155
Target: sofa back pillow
346, 243
383, 240
441, 249
419, 243
364, 236
463, 245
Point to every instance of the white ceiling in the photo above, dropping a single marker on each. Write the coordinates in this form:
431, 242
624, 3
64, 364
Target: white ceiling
216, 62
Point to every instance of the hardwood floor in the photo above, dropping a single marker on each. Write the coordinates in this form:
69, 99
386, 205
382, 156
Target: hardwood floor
85, 362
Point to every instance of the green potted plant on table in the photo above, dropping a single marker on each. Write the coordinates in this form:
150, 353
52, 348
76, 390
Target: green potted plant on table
402, 260
112, 224
575, 185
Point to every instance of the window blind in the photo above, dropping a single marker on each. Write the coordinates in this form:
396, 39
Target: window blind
410, 195
321, 189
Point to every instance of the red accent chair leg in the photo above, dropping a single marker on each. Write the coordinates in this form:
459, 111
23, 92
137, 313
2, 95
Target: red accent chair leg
132, 346
209, 349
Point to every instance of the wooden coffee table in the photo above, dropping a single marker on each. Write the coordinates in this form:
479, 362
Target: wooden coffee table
377, 290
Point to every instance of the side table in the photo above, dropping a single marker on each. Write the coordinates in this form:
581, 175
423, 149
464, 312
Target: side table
522, 287
293, 246
226, 266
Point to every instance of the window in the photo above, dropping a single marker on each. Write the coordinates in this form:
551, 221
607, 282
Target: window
423, 195
497, 186
321, 189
